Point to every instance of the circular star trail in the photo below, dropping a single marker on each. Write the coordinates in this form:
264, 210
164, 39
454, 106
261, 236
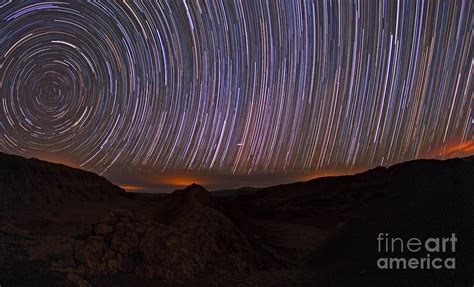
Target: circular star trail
236, 87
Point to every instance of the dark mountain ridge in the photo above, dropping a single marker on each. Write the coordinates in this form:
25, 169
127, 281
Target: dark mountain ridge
33, 189
299, 199
32, 180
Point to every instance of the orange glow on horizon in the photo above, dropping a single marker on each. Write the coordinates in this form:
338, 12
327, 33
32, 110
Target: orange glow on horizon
180, 181
131, 187
464, 148
457, 149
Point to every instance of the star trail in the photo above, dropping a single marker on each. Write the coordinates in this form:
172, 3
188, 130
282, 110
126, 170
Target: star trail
244, 88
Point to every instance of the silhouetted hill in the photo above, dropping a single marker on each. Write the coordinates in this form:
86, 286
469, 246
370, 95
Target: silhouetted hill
421, 199
335, 197
170, 207
39, 186
33, 179
191, 197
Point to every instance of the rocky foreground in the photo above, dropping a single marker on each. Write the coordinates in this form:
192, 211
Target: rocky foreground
48, 241
61, 226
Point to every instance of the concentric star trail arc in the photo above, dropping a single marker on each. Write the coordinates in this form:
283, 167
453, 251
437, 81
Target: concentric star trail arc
236, 87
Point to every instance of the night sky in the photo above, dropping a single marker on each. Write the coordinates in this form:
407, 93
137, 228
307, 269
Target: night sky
231, 93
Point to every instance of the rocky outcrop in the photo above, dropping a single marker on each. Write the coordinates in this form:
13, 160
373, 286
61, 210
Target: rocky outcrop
113, 246
122, 244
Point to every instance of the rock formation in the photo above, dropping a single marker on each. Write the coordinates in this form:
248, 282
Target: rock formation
122, 244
